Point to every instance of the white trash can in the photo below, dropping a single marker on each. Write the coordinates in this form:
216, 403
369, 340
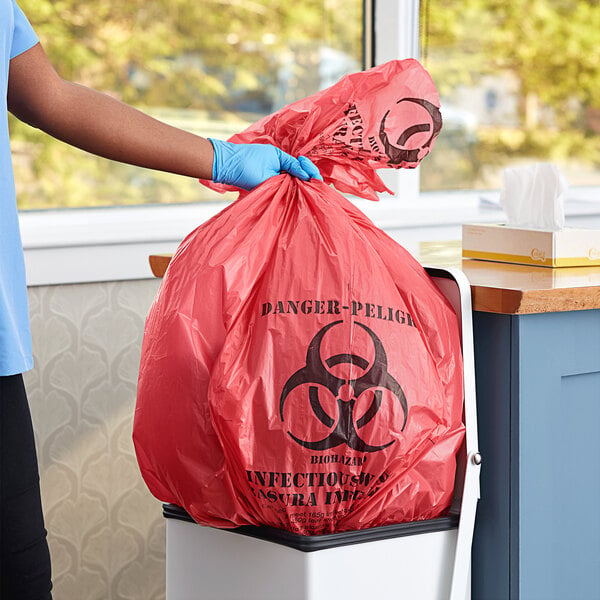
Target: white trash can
423, 560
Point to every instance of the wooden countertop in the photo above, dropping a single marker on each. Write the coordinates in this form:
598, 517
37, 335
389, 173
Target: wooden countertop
501, 287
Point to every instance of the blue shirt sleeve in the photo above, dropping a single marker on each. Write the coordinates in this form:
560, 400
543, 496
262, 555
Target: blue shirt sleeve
23, 35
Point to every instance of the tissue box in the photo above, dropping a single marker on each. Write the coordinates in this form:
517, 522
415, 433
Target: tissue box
564, 248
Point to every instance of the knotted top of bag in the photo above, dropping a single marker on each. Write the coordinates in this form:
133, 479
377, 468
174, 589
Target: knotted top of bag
385, 117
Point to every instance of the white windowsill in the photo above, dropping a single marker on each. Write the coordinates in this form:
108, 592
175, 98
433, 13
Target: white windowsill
108, 244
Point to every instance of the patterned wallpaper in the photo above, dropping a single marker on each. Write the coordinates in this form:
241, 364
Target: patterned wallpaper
106, 532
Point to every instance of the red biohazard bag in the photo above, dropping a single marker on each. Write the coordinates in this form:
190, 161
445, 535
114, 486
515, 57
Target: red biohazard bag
299, 368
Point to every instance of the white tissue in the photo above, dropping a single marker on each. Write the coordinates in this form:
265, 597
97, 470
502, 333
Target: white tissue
533, 197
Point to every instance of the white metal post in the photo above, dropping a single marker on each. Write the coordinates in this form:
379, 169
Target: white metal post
397, 37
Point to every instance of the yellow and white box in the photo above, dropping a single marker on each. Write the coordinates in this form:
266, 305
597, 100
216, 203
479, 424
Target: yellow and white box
564, 248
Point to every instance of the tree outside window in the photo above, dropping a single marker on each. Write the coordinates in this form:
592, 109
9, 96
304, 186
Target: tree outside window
519, 82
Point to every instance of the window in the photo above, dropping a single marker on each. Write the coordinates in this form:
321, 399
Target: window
225, 63
208, 66
519, 82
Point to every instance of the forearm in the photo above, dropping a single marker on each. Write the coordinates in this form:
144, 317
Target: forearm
104, 126
100, 124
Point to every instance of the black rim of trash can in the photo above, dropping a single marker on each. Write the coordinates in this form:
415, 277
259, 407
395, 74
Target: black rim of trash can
331, 540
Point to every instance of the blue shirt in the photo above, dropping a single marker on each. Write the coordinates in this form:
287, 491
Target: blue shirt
16, 36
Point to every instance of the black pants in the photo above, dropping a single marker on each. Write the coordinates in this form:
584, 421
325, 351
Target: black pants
24, 555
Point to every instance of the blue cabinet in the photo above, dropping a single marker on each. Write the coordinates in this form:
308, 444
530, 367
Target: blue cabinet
537, 535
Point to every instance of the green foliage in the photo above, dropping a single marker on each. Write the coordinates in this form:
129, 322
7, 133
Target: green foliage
189, 53
550, 48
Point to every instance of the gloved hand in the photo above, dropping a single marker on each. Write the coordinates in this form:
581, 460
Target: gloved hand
248, 165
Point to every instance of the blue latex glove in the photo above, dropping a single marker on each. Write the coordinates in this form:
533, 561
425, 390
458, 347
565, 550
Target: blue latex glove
248, 165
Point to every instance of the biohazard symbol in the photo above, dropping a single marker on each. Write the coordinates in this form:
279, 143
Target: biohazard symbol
345, 391
411, 145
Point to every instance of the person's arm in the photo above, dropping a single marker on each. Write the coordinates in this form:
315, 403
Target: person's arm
98, 123
104, 126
